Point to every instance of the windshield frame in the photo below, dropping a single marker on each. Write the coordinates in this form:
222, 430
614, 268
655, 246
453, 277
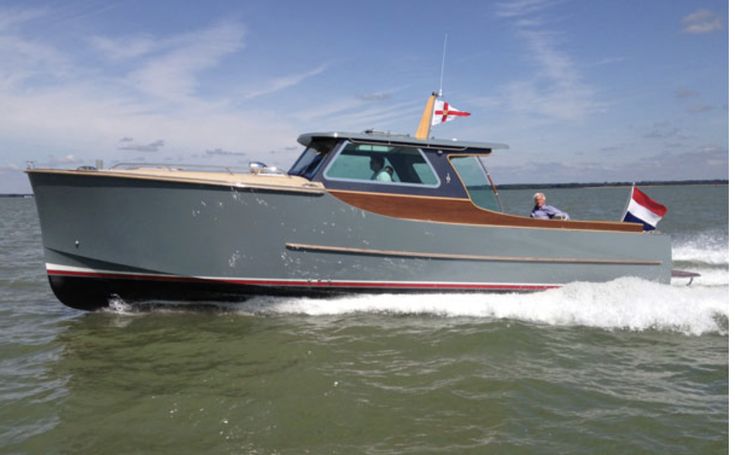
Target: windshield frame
310, 168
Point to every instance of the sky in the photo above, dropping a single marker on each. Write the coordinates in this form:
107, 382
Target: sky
582, 91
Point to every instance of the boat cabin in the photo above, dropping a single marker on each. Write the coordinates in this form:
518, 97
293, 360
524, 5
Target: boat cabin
399, 165
401, 176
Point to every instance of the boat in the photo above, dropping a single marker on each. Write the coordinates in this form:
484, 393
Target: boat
328, 226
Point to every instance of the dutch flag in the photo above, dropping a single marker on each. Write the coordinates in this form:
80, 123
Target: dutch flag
644, 210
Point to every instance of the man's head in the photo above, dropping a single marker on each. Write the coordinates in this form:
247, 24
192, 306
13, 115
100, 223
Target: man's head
539, 199
376, 162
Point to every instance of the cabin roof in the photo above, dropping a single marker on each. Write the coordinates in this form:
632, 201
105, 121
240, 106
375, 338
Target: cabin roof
380, 137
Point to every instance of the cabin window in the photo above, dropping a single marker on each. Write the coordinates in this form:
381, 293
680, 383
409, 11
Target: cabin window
382, 164
476, 182
309, 161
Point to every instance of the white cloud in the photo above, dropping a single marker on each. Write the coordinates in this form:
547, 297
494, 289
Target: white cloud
11, 18
92, 122
354, 113
556, 90
284, 82
701, 21
23, 59
173, 74
148, 148
220, 152
376, 96
52, 103
124, 48
556, 101
380, 116
521, 8
705, 162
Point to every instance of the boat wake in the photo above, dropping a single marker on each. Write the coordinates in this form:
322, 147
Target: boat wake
626, 303
623, 304
706, 254
707, 248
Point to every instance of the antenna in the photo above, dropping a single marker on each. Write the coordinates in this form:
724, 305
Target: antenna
441, 74
422, 132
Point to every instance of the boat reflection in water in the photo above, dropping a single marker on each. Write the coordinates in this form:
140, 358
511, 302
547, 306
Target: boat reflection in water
357, 212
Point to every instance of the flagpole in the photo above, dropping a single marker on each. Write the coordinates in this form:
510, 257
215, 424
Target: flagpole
625, 210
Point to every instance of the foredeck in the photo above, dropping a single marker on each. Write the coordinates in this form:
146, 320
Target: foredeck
218, 178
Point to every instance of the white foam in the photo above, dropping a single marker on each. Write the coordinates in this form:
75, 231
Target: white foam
118, 305
708, 277
707, 248
626, 303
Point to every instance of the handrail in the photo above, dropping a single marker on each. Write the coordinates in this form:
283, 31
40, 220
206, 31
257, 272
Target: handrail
255, 167
182, 167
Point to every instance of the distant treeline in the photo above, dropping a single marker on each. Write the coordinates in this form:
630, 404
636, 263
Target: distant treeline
16, 195
531, 186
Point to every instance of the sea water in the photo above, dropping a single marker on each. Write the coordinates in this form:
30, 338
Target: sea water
627, 366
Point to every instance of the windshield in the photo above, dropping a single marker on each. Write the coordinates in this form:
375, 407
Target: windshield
476, 181
308, 163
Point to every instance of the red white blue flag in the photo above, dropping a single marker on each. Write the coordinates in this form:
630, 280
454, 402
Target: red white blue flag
444, 112
644, 210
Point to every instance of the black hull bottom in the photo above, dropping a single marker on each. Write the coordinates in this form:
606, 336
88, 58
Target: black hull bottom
90, 294
96, 293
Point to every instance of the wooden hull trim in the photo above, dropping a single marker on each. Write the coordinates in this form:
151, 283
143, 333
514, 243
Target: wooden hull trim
463, 212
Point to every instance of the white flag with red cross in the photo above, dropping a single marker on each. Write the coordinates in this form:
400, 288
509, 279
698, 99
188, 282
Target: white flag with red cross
444, 112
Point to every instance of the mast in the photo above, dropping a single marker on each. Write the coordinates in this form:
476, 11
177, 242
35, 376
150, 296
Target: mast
422, 132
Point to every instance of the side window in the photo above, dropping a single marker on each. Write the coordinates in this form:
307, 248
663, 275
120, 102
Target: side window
352, 166
476, 182
382, 164
424, 172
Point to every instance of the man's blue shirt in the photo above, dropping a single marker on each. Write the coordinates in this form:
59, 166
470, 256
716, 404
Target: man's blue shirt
547, 212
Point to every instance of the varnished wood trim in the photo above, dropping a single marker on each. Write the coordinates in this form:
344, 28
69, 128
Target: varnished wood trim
422, 131
463, 211
465, 257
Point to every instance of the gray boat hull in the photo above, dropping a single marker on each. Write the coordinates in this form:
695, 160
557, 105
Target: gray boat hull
162, 240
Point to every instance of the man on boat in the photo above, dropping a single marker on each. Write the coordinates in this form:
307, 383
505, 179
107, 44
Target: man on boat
381, 173
546, 212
